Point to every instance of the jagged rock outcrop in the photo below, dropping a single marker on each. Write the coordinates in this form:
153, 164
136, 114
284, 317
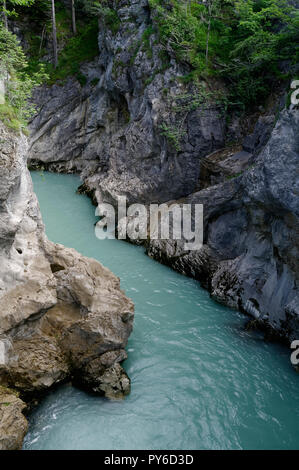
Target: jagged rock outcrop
249, 259
62, 315
123, 128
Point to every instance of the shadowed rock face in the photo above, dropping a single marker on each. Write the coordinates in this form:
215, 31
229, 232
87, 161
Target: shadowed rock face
250, 255
61, 315
110, 130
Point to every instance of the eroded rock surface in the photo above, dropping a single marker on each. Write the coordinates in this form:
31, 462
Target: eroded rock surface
249, 260
116, 130
13, 424
62, 315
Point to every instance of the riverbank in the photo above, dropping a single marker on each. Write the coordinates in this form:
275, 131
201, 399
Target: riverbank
62, 315
199, 379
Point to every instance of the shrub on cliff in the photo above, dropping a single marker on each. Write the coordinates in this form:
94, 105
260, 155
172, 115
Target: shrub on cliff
19, 83
243, 41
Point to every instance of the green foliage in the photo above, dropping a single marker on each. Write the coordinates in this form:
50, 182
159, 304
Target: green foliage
264, 35
146, 41
19, 83
78, 49
9, 117
11, 4
173, 135
19, 89
182, 104
12, 56
94, 81
242, 41
102, 9
110, 18
202, 98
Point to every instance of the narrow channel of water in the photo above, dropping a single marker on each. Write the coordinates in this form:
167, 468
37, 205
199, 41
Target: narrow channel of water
199, 381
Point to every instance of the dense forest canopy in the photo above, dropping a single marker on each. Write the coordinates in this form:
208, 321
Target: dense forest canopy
249, 44
243, 41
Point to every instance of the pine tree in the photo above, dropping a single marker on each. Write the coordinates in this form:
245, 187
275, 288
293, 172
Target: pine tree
5, 8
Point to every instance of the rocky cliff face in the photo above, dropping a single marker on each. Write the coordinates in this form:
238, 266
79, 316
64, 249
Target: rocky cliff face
136, 129
62, 315
122, 130
249, 260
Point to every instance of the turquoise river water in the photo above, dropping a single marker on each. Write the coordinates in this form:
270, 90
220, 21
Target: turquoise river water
199, 380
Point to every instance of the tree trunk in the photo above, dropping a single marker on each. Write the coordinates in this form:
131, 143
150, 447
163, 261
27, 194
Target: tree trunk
54, 35
42, 40
209, 29
5, 15
74, 17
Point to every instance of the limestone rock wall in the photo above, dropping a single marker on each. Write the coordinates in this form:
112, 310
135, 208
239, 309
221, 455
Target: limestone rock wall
249, 260
62, 316
111, 130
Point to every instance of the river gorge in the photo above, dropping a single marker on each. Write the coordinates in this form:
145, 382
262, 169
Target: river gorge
149, 342
196, 372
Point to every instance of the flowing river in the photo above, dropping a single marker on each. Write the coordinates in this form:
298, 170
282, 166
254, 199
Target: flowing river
199, 380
